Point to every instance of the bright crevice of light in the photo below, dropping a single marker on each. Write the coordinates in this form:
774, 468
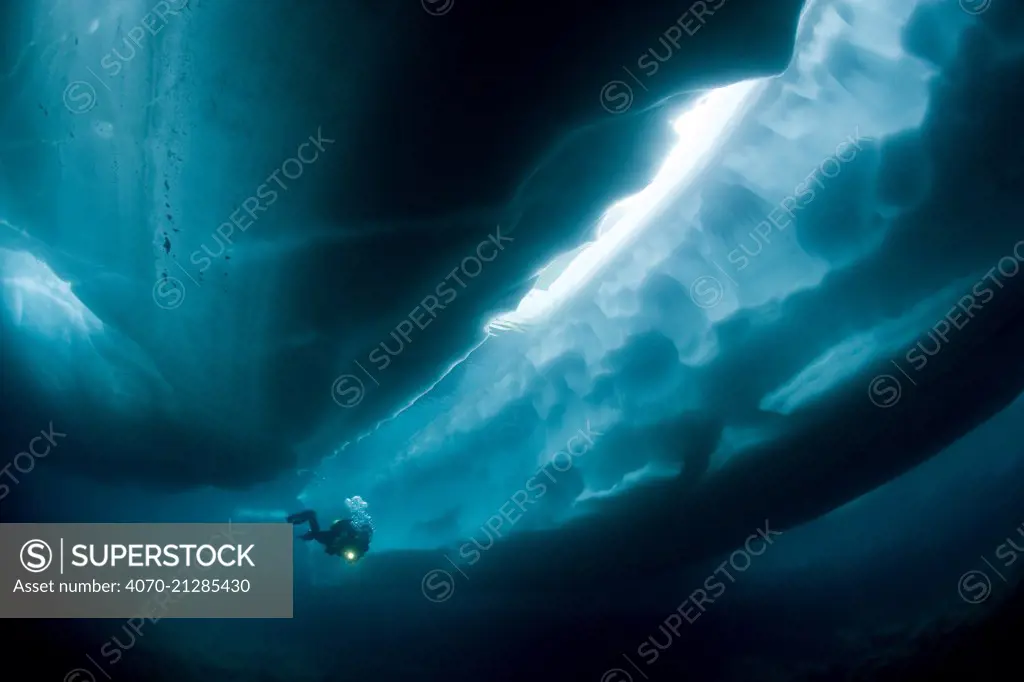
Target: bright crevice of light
701, 129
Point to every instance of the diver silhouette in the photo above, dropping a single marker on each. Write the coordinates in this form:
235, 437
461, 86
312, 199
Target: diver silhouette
348, 538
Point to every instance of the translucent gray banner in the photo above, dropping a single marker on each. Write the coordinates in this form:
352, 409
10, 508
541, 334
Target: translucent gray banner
146, 570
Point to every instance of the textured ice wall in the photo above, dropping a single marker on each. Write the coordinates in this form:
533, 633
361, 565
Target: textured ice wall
667, 348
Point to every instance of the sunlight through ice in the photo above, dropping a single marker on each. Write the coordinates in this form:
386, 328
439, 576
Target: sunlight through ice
700, 128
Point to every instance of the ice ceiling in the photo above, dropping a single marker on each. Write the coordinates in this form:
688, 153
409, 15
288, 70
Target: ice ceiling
780, 243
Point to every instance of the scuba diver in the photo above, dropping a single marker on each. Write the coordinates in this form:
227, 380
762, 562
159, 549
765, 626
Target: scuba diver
348, 538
